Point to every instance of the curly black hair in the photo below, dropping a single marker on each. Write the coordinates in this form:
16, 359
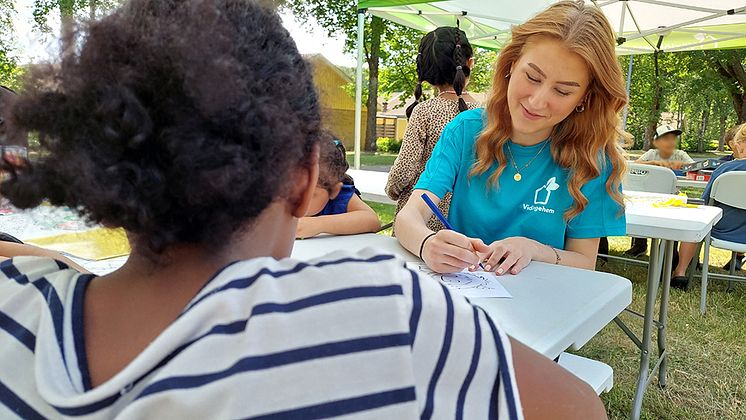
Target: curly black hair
333, 164
178, 120
443, 58
9, 135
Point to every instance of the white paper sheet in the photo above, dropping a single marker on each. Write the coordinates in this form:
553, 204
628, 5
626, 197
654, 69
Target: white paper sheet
101, 267
470, 284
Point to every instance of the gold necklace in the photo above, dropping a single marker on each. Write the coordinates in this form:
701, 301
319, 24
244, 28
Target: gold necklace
517, 177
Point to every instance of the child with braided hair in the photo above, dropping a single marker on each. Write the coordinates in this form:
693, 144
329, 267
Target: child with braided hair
445, 60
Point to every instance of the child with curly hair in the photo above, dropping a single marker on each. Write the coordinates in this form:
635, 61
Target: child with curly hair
195, 126
336, 207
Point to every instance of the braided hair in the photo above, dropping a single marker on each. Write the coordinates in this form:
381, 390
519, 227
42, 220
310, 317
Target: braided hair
443, 58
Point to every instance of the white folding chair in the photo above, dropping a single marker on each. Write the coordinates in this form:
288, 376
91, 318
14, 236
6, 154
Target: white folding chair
645, 178
727, 189
649, 178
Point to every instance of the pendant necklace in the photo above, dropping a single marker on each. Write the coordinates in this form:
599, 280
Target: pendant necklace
517, 177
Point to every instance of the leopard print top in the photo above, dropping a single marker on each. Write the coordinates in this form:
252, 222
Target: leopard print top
423, 130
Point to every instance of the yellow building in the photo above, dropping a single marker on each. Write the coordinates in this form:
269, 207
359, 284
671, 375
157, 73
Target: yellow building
337, 105
391, 119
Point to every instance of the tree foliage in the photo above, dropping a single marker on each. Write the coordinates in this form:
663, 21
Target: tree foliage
9, 70
339, 17
694, 94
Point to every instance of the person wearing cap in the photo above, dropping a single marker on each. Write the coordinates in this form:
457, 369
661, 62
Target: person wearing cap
665, 152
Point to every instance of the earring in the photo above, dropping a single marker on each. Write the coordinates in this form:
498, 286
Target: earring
580, 108
507, 75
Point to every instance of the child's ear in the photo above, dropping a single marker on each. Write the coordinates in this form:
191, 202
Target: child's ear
306, 184
335, 190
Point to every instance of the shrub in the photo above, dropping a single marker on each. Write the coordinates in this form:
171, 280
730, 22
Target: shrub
388, 145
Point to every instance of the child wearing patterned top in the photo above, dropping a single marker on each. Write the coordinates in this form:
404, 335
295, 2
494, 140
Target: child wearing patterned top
336, 206
205, 149
445, 62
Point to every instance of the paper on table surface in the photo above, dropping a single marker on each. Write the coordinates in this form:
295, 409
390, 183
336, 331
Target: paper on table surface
471, 284
101, 267
94, 244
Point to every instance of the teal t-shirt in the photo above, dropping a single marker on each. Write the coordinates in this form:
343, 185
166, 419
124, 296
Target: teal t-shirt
533, 208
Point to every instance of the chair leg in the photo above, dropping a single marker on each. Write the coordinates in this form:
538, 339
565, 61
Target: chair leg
705, 269
732, 270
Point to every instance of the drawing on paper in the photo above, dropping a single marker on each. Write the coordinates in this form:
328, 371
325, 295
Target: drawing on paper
469, 284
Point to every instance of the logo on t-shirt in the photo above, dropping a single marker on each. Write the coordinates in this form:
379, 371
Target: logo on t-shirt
542, 196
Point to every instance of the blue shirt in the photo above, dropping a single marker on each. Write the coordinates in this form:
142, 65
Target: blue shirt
732, 227
338, 205
533, 208
727, 158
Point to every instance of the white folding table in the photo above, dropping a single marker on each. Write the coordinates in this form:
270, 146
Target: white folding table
664, 226
684, 182
553, 308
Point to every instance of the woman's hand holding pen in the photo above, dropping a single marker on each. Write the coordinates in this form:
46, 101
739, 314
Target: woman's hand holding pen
511, 255
449, 252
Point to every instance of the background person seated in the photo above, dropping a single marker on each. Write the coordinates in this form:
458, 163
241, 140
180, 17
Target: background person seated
336, 206
732, 227
663, 153
728, 141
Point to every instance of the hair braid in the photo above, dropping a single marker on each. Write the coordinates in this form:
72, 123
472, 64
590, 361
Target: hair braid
418, 88
459, 80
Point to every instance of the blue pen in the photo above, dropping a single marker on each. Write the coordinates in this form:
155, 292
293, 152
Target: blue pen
440, 216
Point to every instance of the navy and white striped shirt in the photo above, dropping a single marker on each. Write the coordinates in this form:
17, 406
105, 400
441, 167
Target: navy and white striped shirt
347, 334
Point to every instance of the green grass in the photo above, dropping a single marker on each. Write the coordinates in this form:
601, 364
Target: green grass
707, 354
372, 159
385, 214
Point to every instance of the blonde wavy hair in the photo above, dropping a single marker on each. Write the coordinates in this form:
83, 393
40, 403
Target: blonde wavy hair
739, 134
577, 141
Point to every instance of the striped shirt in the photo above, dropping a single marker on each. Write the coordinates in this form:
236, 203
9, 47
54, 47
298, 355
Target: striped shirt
355, 335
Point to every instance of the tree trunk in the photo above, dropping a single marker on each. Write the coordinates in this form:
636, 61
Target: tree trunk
655, 111
679, 119
92, 9
67, 22
376, 30
703, 129
721, 128
734, 76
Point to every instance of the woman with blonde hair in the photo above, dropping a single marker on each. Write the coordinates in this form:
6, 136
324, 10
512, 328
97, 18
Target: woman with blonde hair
536, 175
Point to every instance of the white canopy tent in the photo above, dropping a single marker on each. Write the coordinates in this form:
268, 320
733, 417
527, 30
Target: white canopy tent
642, 26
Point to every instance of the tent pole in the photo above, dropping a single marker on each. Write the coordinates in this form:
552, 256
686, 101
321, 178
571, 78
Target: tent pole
629, 83
359, 84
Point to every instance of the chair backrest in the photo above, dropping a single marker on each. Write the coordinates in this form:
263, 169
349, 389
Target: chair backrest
730, 189
649, 178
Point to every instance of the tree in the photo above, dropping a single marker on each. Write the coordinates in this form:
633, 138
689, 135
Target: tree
340, 17
399, 70
9, 71
728, 64
688, 87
